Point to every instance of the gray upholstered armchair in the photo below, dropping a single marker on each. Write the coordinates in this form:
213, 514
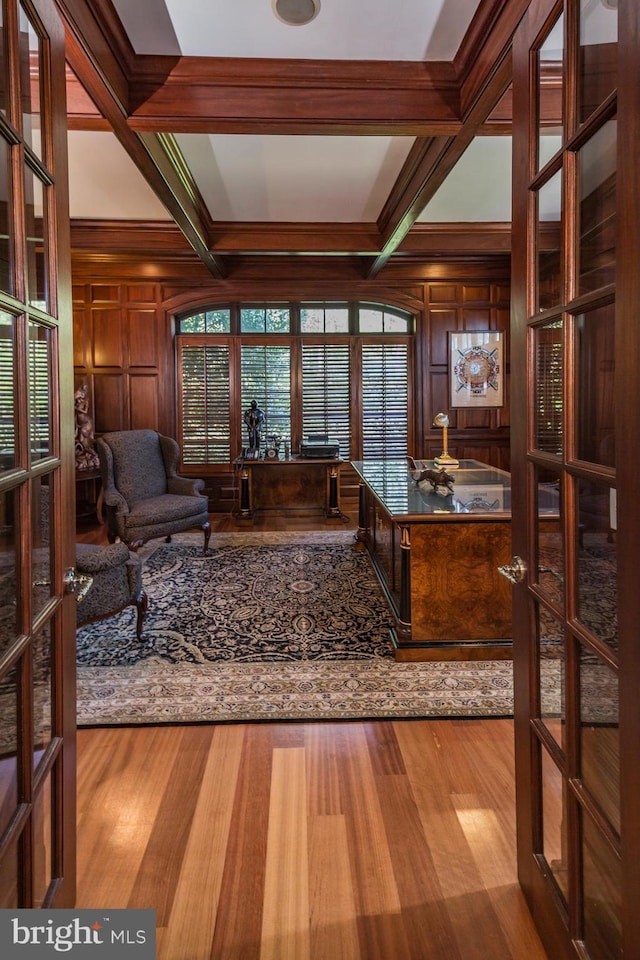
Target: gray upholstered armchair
116, 576
142, 492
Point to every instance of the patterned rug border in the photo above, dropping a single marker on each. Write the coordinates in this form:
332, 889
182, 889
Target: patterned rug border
189, 693
157, 692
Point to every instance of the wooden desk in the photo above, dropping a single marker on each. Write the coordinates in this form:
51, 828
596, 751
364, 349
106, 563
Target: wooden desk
437, 558
295, 483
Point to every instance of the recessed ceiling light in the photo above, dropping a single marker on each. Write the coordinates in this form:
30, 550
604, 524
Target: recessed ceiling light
296, 12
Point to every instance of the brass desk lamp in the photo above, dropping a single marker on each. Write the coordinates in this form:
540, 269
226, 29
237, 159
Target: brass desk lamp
444, 460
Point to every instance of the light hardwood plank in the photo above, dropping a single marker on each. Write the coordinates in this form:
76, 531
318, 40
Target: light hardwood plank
285, 918
191, 925
371, 860
120, 818
333, 927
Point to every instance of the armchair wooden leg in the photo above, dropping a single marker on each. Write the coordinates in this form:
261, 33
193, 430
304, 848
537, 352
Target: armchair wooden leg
142, 603
206, 527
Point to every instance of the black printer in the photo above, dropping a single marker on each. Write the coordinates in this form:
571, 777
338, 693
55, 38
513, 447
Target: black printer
318, 445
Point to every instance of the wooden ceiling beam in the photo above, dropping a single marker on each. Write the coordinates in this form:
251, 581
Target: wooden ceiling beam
271, 96
104, 79
431, 160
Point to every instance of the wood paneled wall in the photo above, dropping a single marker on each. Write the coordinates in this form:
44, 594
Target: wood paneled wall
483, 433
124, 340
123, 351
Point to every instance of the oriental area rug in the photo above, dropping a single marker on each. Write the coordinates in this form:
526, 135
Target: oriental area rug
268, 626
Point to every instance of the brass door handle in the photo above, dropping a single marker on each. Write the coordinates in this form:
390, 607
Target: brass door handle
515, 571
77, 583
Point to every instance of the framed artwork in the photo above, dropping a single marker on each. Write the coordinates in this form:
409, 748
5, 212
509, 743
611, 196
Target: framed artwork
476, 368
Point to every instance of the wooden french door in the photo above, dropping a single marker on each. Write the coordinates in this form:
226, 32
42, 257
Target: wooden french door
576, 436
37, 527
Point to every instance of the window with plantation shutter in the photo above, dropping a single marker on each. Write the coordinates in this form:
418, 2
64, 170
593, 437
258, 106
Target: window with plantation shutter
265, 377
384, 400
205, 435
340, 369
326, 393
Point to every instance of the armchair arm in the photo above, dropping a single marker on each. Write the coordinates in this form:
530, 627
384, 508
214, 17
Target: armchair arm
110, 495
176, 483
93, 559
184, 486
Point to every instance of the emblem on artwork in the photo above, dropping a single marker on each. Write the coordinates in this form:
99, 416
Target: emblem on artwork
477, 370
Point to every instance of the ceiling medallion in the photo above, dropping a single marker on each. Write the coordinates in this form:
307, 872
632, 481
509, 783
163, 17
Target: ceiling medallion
296, 12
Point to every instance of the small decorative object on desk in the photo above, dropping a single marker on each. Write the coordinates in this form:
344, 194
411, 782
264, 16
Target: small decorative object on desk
272, 449
437, 478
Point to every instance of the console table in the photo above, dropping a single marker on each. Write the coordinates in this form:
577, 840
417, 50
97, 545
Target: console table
437, 556
294, 483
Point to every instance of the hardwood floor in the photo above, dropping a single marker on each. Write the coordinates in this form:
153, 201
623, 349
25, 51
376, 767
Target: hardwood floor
360, 841
319, 841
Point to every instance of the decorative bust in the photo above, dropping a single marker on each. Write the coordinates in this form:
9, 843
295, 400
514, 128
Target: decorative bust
86, 454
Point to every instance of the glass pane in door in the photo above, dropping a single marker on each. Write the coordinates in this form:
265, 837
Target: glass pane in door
550, 93
41, 547
549, 388
4, 80
599, 734
597, 73
551, 674
9, 626
597, 567
602, 885
40, 398
595, 385
597, 209
31, 83
549, 242
7, 390
549, 574
9, 875
6, 223
35, 214
42, 693
8, 748
554, 823
42, 843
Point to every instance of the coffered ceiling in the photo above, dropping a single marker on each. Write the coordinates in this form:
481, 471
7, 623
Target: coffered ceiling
370, 131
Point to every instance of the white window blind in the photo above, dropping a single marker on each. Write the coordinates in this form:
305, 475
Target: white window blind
384, 400
326, 393
205, 427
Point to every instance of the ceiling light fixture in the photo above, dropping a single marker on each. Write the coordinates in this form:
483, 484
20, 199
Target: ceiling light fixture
296, 12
